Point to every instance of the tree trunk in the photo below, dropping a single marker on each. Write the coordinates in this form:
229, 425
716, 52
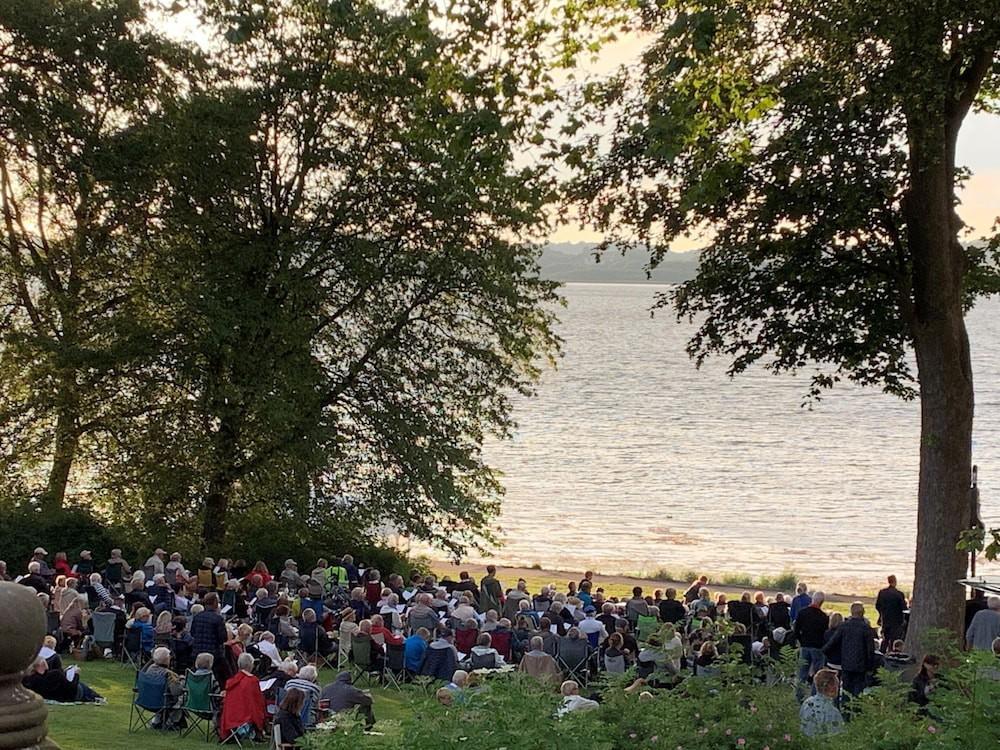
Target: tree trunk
214, 526
63, 454
946, 395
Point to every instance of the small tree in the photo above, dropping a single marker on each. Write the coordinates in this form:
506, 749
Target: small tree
817, 141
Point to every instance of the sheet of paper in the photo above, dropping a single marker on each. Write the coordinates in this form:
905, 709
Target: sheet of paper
554, 629
407, 595
226, 610
461, 656
266, 685
71, 673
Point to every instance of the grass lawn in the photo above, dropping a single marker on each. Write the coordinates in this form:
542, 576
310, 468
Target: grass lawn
93, 727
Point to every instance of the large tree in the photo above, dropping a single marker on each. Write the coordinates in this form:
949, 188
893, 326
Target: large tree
815, 141
344, 280
77, 80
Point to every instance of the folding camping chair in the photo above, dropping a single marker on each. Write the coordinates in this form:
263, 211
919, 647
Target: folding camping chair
645, 626
395, 667
363, 664
149, 700
574, 659
132, 653
199, 706
104, 628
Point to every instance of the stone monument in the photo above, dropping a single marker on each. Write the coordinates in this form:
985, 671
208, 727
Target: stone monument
22, 627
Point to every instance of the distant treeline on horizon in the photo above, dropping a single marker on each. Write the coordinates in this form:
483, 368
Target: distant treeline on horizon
574, 261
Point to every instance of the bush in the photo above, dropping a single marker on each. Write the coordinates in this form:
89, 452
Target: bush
71, 530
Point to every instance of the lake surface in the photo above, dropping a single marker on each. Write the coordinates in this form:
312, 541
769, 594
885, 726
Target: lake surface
630, 459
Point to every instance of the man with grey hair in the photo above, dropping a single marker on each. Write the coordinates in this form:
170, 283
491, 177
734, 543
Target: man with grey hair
306, 682
539, 664
34, 579
985, 626
101, 594
801, 600
810, 628
159, 665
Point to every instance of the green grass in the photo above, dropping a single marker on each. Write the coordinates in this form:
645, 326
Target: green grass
89, 727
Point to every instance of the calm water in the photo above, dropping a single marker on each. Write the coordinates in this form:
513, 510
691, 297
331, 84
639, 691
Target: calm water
630, 459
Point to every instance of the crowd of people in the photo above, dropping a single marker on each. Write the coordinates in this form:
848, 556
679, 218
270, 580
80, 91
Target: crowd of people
261, 635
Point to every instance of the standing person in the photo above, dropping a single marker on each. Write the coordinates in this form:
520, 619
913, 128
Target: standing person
856, 644
208, 631
155, 564
891, 606
985, 626
490, 591
779, 613
810, 627
671, 610
801, 600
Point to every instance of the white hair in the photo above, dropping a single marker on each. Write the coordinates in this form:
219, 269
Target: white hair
34, 567
818, 597
289, 667
95, 577
245, 662
993, 602
308, 673
161, 656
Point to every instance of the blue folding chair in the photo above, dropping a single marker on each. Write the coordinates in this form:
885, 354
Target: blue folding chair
149, 700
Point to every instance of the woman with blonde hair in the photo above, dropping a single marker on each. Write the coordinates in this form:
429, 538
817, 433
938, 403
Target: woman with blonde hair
164, 624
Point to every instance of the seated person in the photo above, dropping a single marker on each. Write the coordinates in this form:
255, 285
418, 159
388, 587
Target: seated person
305, 681
289, 718
203, 665
819, 714
380, 632
55, 685
483, 655
141, 621
572, 700
312, 637
48, 652
243, 707
414, 650
160, 665
539, 664
265, 644
343, 696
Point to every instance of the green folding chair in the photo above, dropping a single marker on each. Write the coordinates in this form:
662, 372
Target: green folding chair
645, 626
199, 705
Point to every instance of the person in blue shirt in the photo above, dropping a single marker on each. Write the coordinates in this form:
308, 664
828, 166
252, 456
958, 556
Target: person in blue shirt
415, 649
801, 600
141, 621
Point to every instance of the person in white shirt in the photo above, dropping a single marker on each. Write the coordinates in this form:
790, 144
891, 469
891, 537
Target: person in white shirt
590, 624
572, 700
465, 609
155, 562
266, 646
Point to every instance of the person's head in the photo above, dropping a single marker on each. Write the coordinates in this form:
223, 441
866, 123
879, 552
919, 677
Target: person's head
377, 621
50, 641
445, 634
779, 597
522, 585
309, 615
504, 623
568, 688
289, 667
40, 666
460, 678
993, 602
892, 581
708, 650
142, 614
586, 586
197, 609
802, 587
175, 557
424, 634
836, 620
95, 578
365, 626
86, 554
637, 592
524, 605
745, 597
492, 615
163, 620
245, 662
34, 567
484, 640
615, 640
758, 597
291, 565
537, 643
607, 608
704, 593
897, 646
929, 665
817, 600
544, 623
857, 609
161, 657
491, 570
588, 575
308, 673
574, 634
292, 702
244, 632
827, 683
137, 584
670, 593
211, 600
268, 636
444, 696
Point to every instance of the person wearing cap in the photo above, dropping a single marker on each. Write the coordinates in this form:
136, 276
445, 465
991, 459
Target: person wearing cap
43, 567
290, 575
590, 624
155, 562
117, 559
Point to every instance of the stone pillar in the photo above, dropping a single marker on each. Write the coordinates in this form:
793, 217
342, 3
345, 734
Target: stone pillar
22, 627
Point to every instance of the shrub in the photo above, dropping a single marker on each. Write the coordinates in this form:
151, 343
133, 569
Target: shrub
70, 530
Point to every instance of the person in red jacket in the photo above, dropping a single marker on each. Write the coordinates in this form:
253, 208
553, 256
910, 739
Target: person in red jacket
243, 704
379, 629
